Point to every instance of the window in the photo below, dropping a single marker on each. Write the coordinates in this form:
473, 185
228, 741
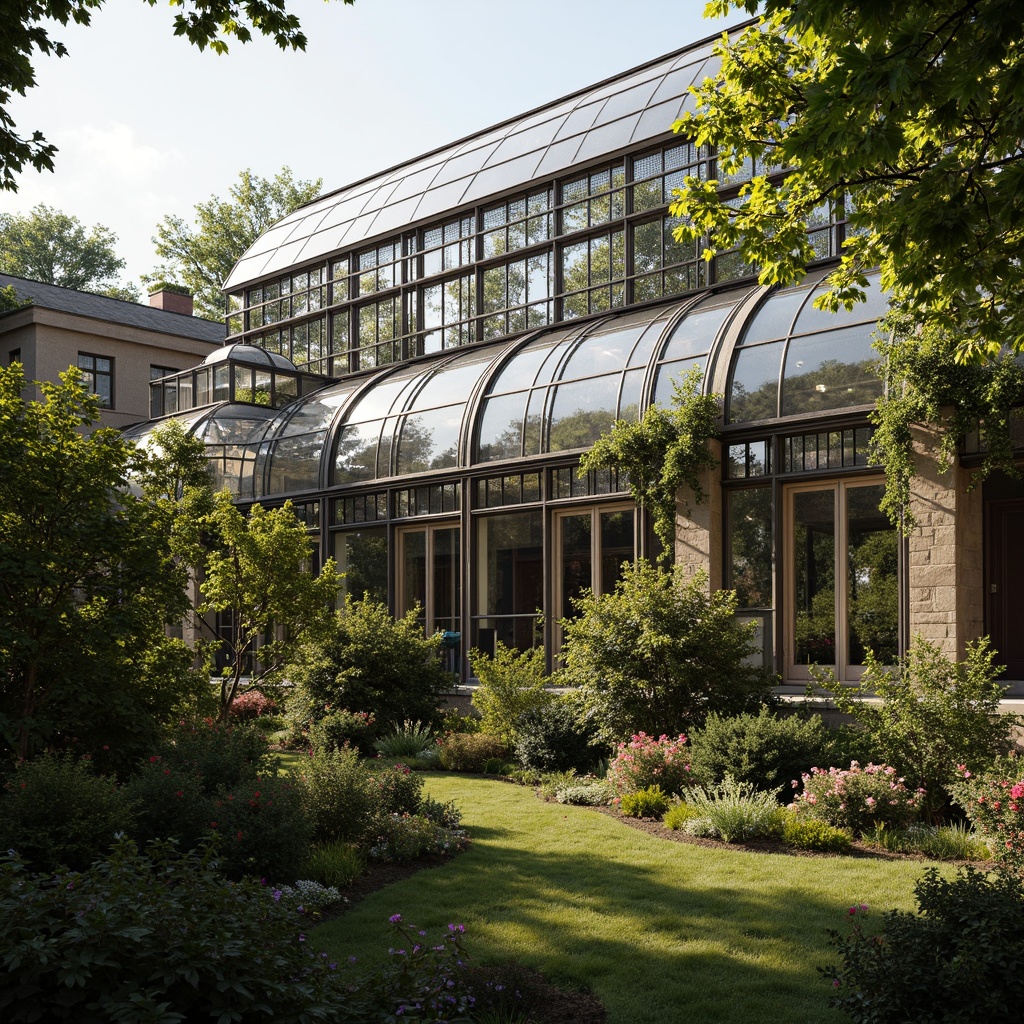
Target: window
14, 356
98, 377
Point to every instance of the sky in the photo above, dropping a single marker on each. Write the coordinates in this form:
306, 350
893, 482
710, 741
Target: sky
147, 125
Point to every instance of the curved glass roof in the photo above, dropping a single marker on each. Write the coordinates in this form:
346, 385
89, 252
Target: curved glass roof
586, 125
250, 355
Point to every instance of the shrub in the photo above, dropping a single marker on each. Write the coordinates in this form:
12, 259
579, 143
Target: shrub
934, 714
586, 792
370, 662
408, 742
645, 761
645, 803
170, 802
251, 705
939, 842
551, 782
306, 897
512, 683
339, 800
58, 812
678, 814
469, 752
957, 961
398, 838
994, 802
216, 754
734, 812
396, 790
659, 653
452, 721
335, 864
550, 738
812, 834
337, 729
765, 750
497, 766
444, 813
857, 798
153, 937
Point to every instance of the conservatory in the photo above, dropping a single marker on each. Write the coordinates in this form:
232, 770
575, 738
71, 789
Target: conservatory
444, 339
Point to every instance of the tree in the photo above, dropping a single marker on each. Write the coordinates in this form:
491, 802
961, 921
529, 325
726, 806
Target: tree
27, 33
53, 247
9, 299
202, 258
255, 575
87, 583
903, 116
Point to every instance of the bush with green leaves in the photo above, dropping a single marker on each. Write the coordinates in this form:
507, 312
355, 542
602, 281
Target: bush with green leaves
398, 838
645, 761
552, 737
251, 705
155, 937
340, 800
371, 662
659, 654
395, 788
587, 792
813, 834
407, 742
858, 798
931, 714
58, 812
937, 842
335, 864
651, 802
678, 814
956, 961
341, 727
993, 800
307, 897
765, 749
441, 812
470, 751
733, 812
512, 683
216, 754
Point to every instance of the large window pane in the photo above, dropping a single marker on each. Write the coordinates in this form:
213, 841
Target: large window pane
362, 556
814, 584
749, 558
872, 578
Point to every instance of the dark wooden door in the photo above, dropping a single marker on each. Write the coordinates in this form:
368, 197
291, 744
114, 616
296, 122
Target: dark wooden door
1004, 584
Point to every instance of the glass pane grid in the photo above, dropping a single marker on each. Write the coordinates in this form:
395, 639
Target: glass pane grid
826, 450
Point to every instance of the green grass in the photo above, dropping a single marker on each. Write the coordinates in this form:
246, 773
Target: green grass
660, 931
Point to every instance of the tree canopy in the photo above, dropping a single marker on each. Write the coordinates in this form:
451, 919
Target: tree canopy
904, 117
53, 247
202, 257
27, 27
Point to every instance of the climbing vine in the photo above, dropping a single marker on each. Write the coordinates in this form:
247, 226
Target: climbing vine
926, 384
666, 450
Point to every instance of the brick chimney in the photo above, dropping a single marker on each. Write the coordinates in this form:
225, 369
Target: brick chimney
172, 301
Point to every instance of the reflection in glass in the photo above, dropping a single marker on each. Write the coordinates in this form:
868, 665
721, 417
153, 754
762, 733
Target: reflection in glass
512, 575
501, 428
814, 582
429, 440
749, 558
582, 411
872, 579
414, 573
445, 582
575, 575
830, 371
362, 558
616, 546
356, 455
754, 383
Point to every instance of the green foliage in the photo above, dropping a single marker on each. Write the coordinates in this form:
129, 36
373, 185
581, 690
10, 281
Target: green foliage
470, 751
216, 754
937, 842
933, 713
87, 583
336, 729
733, 812
552, 738
409, 740
58, 812
767, 750
646, 761
651, 802
587, 792
203, 256
678, 814
397, 790
369, 661
512, 683
335, 863
399, 838
926, 383
663, 453
50, 246
340, 800
441, 812
957, 961
256, 568
993, 800
811, 834
9, 299
153, 937
659, 654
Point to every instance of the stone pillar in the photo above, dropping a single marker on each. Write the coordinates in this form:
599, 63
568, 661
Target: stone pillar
699, 527
945, 567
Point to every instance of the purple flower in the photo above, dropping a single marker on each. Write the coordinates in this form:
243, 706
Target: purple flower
395, 918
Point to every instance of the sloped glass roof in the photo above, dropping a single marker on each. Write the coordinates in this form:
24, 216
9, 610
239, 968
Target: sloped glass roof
625, 111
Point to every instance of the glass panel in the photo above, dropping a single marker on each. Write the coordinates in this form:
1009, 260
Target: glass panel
774, 318
356, 457
749, 559
814, 579
429, 440
616, 546
501, 428
414, 572
695, 333
575, 574
872, 578
295, 464
582, 412
830, 371
512, 569
445, 586
754, 384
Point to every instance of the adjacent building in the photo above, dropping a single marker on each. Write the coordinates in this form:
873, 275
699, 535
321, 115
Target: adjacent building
418, 360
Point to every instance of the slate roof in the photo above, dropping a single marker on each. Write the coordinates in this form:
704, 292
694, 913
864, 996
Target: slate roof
100, 307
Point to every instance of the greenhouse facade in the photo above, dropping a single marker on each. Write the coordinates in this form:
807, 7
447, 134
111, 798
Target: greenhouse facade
418, 361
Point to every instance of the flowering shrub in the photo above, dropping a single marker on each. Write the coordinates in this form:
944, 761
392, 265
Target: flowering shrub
306, 897
396, 789
252, 704
994, 802
645, 761
857, 798
335, 729
403, 837
216, 754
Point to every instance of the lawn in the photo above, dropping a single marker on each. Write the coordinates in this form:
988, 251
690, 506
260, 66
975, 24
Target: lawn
660, 931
